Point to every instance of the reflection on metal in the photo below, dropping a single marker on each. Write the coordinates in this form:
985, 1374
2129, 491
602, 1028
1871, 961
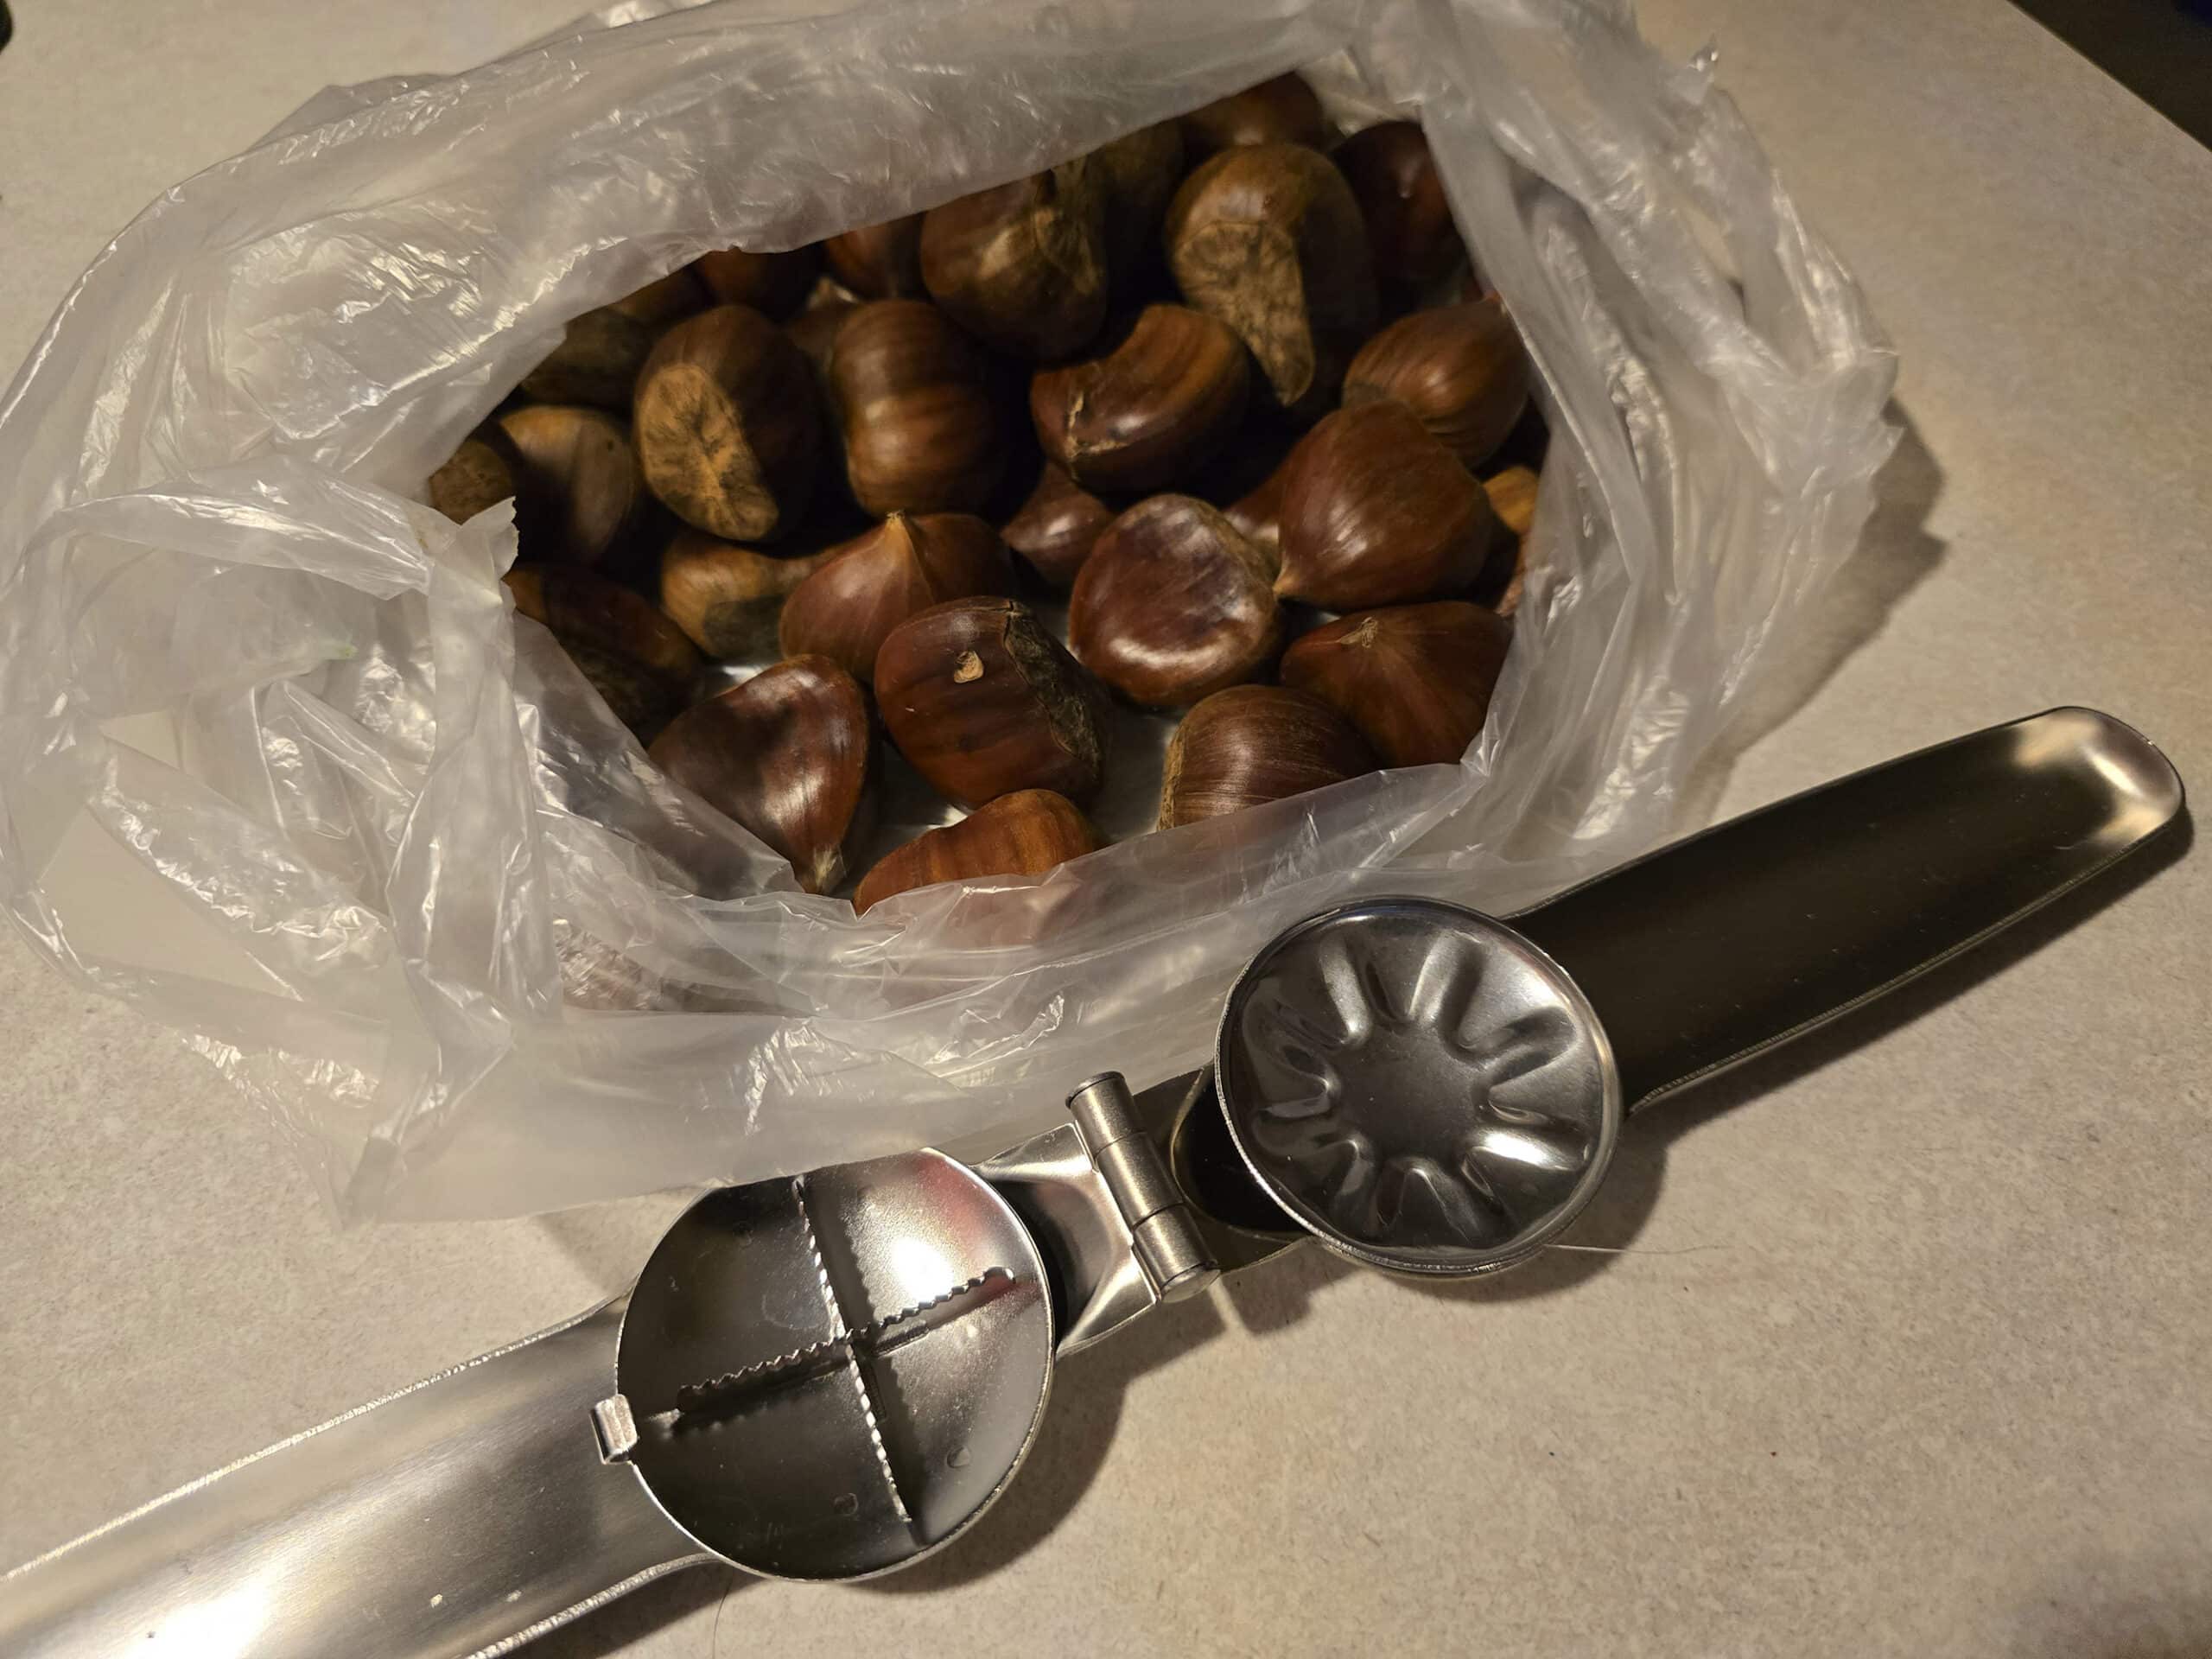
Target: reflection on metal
1418, 1086
1712, 949
466, 1509
833, 1376
830, 1377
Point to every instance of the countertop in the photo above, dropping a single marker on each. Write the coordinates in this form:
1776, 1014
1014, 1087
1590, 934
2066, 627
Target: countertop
1909, 1353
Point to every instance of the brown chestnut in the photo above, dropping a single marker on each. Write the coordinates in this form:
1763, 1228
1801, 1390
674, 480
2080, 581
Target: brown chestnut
1173, 604
595, 975
871, 584
983, 701
1022, 266
1268, 238
664, 299
880, 262
814, 331
1376, 511
1415, 245
1283, 110
1257, 515
1153, 407
1055, 527
913, 396
726, 598
1415, 679
596, 362
1252, 744
1248, 486
1512, 494
578, 496
1140, 170
1461, 368
1026, 833
1245, 480
729, 424
600, 351
789, 755
485, 471
636, 658
1513, 498
774, 284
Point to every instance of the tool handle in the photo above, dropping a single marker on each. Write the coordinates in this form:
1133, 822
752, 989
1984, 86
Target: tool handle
1712, 949
444, 1520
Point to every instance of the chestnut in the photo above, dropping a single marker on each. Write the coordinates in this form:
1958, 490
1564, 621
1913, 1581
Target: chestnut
1257, 515
485, 471
1512, 493
880, 262
868, 586
635, 657
729, 424
595, 975
981, 699
1461, 368
1268, 238
1140, 170
1153, 407
1513, 498
1026, 833
774, 284
1252, 744
596, 362
1415, 246
579, 499
1283, 110
789, 754
600, 351
1415, 679
1376, 511
726, 598
1173, 604
912, 397
664, 299
1022, 266
1250, 488
814, 331
1055, 527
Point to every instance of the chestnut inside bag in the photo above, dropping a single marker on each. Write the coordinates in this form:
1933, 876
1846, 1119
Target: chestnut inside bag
282, 768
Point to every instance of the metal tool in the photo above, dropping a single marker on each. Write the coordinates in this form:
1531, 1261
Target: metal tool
830, 1375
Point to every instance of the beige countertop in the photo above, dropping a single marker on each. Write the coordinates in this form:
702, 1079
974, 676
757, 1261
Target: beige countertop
1912, 1354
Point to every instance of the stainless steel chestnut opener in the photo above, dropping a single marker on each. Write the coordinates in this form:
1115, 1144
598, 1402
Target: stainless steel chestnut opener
830, 1375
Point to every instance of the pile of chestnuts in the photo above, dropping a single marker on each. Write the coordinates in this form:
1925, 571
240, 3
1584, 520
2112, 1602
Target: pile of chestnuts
1227, 395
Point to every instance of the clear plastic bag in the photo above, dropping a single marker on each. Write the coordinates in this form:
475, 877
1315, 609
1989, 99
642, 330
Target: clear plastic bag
282, 768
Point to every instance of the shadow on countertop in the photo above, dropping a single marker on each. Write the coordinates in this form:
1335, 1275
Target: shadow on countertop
2160, 50
1622, 1206
1897, 552
1070, 1449
1078, 1432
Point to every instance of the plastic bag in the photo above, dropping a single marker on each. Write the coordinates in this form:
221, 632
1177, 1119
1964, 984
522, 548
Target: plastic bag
282, 769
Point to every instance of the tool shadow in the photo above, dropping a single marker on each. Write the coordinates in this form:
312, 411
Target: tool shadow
1633, 1182
1897, 552
1070, 1448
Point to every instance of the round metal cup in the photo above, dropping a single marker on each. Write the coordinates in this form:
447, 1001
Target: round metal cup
1418, 1086
832, 1376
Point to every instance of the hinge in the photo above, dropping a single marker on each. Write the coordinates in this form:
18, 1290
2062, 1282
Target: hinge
1163, 1234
